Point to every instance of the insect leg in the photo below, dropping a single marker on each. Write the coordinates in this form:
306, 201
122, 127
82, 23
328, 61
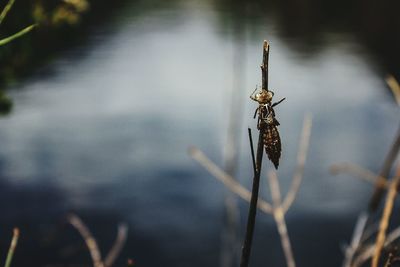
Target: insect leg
252, 94
255, 113
277, 103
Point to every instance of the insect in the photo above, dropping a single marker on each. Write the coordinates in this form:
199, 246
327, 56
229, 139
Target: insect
268, 123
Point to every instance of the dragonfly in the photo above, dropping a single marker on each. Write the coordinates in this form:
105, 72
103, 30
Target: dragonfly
268, 123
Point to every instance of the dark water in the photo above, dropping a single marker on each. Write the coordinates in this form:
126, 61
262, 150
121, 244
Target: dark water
106, 135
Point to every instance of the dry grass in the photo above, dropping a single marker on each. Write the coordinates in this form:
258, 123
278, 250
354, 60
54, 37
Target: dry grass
384, 222
91, 242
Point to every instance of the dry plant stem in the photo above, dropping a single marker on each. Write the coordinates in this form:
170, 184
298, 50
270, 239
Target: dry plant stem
251, 219
384, 223
368, 252
393, 153
13, 245
394, 86
264, 65
361, 173
118, 245
227, 180
279, 217
90, 241
230, 238
301, 160
252, 151
264, 206
356, 240
387, 165
240, 190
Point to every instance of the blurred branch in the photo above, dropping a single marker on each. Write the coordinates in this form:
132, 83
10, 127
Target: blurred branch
385, 172
17, 35
381, 184
226, 179
13, 245
394, 87
3, 15
359, 172
384, 223
118, 245
6, 9
368, 252
90, 241
230, 239
279, 217
279, 208
244, 193
356, 240
301, 159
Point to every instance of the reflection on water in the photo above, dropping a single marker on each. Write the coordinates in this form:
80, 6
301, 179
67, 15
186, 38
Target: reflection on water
107, 136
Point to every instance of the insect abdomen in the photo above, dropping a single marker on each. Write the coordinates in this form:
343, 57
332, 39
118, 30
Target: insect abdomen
272, 143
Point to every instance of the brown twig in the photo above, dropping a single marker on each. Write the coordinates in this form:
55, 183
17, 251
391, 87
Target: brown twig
118, 245
90, 241
384, 223
279, 217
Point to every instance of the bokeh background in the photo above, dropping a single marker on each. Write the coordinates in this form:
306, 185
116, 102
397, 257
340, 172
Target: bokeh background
107, 96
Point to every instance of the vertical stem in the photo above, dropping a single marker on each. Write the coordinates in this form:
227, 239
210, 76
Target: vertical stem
384, 223
251, 219
253, 158
264, 65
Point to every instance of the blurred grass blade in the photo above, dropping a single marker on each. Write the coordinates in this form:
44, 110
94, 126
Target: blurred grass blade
13, 245
5, 10
394, 86
16, 35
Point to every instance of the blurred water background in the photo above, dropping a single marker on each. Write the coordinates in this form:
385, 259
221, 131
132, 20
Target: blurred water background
102, 129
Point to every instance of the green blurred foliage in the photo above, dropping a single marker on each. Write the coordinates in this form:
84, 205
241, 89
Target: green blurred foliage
60, 24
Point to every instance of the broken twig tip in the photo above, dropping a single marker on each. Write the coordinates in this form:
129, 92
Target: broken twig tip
16, 231
266, 44
193, 151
